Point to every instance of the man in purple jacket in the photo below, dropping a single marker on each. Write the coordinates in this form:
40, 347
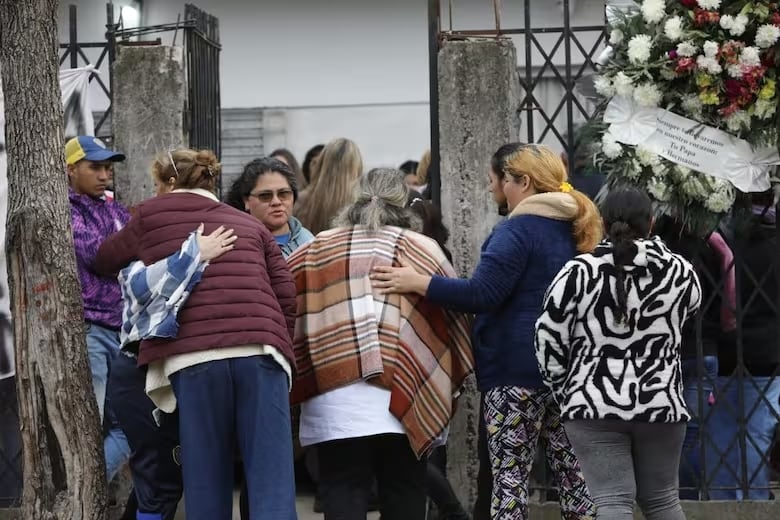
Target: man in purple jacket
94, 217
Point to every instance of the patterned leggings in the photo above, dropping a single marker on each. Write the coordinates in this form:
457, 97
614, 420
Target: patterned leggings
515, 418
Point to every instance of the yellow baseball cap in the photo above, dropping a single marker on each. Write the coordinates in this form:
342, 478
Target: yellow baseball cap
89, 148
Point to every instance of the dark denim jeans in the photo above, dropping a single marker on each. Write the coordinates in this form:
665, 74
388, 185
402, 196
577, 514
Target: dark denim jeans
156, 475
742, 467
10, 445
699, 396
229, 401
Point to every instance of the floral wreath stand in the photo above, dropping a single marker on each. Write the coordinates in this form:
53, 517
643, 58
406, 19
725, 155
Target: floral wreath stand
689, 108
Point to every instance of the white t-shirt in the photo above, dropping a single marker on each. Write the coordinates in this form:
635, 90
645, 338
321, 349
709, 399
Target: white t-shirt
356, 410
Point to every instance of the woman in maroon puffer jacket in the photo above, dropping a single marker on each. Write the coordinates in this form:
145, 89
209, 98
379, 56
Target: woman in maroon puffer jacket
229, 369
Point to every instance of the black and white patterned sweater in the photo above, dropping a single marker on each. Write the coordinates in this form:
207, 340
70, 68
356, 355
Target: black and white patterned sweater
598, 368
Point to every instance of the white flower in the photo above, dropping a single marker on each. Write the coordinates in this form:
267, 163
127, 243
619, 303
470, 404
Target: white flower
750, 56
721, 198
711, 65
673, 28
765, 108
767, 35
735, 70
639, 48
686, 49
692, 105
624, 86
659, 189
615, 37
648, 95
710, 49
738, 121
680, 173
735, 25
740, 25
646, 156
653, 11
694, 188
604, 86
611, 148
709, 4
659, 168
632, 170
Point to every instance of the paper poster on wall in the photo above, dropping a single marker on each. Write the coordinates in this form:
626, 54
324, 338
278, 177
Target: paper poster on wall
74, 84
78, 120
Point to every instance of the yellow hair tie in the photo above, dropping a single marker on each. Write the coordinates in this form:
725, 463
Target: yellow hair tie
565, 187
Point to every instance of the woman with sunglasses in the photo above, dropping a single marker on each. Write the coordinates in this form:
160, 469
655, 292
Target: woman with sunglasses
267, 190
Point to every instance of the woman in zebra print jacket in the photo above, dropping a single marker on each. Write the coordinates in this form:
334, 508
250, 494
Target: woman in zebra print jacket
608, 346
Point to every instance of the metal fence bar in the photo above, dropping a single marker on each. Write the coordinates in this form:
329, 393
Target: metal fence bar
202, 49
434, 29
569, 83
527, 86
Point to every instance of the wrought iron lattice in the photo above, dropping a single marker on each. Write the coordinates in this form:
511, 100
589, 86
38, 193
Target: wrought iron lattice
79, 54
202, 49
559, 56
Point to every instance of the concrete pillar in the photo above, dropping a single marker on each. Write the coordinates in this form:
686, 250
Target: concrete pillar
147, 115
479, 100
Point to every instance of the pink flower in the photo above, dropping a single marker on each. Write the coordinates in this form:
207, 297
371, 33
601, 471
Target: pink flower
752, 76
729, 109
685, 65
690, 4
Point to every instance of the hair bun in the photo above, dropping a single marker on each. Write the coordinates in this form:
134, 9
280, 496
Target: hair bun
208, 160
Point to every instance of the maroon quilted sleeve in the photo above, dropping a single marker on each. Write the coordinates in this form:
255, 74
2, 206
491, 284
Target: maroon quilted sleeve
119, 249
282, 282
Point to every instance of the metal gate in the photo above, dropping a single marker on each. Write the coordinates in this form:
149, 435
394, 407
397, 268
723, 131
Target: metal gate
202, 48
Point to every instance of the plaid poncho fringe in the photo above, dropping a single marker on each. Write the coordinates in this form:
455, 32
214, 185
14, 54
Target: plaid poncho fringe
419, 351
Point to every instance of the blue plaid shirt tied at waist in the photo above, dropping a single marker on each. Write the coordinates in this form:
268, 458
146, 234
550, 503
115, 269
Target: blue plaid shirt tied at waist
153, 294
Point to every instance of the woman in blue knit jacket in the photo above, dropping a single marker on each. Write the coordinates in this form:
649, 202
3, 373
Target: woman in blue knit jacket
549, 222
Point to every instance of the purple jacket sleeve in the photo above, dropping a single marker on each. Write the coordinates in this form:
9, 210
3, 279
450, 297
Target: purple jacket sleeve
86, 241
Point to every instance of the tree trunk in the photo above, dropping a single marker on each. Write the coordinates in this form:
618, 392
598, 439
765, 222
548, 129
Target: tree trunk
64, 475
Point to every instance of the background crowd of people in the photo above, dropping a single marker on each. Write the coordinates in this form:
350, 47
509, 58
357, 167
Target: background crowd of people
313, 324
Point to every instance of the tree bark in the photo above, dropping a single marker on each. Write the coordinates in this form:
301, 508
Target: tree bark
64, 475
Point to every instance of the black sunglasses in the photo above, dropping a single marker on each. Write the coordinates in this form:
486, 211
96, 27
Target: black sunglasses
267, 196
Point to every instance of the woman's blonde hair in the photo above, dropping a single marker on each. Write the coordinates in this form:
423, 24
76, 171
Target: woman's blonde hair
548, 174
422, 167
190, 168
333, 186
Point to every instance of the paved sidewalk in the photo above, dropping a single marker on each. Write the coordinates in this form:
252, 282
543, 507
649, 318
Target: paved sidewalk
304, 505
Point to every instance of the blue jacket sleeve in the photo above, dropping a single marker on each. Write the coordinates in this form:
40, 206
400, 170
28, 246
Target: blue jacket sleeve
500, 268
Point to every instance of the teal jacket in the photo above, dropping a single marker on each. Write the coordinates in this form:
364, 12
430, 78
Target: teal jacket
299, 236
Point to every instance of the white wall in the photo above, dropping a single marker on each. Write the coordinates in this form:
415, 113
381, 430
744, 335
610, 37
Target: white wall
343, 68
387, 135
283, 53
